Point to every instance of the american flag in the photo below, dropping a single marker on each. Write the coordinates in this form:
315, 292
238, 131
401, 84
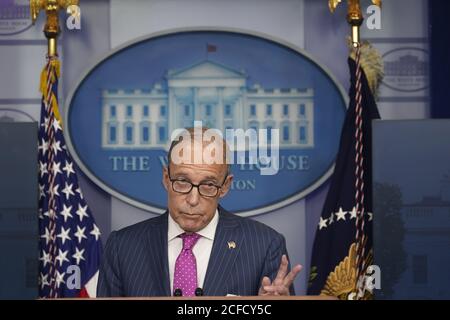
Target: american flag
70, 246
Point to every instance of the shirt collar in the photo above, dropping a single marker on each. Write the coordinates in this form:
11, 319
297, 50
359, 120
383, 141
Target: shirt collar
207, 232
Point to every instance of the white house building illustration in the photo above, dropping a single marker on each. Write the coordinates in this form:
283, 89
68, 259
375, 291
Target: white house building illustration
426, 242
208, 92
14, 9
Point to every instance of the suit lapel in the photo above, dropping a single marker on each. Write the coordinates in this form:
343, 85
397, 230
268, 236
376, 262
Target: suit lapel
157, 238
223, 253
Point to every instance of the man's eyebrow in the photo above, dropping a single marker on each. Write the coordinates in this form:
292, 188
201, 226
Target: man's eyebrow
180, 175
186, 175
209, 178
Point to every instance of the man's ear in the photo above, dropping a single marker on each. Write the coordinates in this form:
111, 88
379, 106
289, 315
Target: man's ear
226, 186
165, 178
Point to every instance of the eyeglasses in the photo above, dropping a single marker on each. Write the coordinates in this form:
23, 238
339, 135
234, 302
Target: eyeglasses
206, 189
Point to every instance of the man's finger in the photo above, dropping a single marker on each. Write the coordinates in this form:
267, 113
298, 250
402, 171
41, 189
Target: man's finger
277, 290
265, 282
289, 279
282, 270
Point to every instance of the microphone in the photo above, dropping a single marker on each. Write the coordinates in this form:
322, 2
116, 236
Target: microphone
177, 292
199, 292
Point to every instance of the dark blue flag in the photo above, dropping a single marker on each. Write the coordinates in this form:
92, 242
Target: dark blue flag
334, 263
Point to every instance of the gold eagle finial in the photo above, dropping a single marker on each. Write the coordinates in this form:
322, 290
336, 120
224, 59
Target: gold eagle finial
354, 15
332, 4
51, 28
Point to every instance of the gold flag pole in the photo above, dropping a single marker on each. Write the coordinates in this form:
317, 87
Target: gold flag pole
51, 29
354, 16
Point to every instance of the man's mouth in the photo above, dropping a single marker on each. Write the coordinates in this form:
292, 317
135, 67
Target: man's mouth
192, 215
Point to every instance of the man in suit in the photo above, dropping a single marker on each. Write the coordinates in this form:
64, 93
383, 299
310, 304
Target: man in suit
196, 247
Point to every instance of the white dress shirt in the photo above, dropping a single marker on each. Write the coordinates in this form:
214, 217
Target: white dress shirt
202, 249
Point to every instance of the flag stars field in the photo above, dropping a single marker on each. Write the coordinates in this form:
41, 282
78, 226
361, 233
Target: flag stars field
64, 235
66, 212
56, 147
43, 280
45, 258
59, 278
62, 256
56, 168
68, 190
68, 168
95, 232
78, 256
81, 212
80, 234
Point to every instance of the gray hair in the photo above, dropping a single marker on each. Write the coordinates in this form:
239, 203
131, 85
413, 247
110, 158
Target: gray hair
193, 131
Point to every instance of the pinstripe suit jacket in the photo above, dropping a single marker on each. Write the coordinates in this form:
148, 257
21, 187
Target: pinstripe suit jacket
135, 262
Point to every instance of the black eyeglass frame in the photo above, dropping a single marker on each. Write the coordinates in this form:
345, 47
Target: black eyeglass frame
196, 185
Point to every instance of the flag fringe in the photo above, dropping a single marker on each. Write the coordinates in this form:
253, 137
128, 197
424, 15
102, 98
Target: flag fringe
54, 76
372, 64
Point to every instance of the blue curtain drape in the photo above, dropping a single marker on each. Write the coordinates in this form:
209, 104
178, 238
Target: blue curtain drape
439, 11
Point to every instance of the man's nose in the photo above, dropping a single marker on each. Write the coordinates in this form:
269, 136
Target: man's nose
193, 197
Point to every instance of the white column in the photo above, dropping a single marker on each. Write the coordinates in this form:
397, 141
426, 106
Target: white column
241, 109
172, 114
196, 108
219, 110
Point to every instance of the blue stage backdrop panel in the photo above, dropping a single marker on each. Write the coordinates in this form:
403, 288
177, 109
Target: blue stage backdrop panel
18, 210
411, 174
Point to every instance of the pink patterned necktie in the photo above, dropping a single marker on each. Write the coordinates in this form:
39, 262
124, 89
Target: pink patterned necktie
185, 277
